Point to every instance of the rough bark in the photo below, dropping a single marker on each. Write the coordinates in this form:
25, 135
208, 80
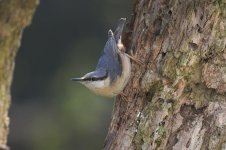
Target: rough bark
177, 98
15, 15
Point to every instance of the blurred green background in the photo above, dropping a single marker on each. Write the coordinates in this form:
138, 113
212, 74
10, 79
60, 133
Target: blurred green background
48, 111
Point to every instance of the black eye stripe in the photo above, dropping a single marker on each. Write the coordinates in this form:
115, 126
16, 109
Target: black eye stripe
95, 78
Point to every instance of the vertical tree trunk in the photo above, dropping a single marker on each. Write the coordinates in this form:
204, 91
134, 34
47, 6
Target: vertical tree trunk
15, 15
177, 98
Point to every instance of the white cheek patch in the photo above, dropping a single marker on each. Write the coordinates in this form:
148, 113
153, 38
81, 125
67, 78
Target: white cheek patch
97, 84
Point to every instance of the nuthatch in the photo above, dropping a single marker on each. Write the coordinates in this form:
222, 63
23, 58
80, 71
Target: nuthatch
113, 69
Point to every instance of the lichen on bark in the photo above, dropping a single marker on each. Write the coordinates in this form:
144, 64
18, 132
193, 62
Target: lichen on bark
177, 99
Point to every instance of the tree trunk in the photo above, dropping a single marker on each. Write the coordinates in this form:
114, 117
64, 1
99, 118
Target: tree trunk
15, 15
176, 99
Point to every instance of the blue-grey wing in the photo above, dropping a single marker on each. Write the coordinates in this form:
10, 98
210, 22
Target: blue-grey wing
109, 59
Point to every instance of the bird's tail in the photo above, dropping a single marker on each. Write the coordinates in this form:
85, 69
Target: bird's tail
119, 29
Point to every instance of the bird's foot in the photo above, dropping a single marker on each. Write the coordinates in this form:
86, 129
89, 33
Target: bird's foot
135, 59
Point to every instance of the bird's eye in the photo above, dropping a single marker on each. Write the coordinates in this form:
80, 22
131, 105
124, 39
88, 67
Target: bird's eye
91, 79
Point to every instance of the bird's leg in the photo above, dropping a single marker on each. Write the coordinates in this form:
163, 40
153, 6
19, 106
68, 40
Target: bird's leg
121, 49
134, 59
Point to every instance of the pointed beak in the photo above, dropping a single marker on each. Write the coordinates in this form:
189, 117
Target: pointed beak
77, 79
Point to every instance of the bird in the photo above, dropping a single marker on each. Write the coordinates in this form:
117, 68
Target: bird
113, 69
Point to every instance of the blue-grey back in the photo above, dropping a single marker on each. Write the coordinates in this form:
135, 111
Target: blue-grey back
109, 59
